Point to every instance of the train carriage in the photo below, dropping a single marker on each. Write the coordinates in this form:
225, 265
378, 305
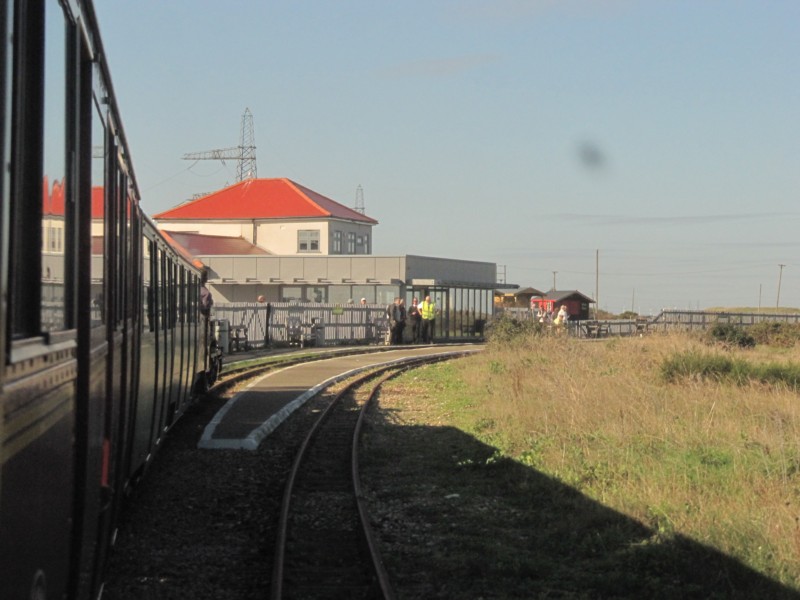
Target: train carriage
101, 342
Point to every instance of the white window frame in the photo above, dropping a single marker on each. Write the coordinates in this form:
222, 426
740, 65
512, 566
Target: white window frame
307, 241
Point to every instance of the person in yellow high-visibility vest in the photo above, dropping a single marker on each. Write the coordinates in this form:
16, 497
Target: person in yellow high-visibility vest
427, 311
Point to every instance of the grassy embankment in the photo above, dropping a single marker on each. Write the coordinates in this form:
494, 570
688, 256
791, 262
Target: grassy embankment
693, 441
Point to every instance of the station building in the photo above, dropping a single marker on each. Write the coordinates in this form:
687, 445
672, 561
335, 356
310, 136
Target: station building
278, 241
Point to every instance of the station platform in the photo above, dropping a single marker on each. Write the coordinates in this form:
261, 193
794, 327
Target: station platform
253, 413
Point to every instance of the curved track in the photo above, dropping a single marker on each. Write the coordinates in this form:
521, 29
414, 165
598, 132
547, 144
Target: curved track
324, 546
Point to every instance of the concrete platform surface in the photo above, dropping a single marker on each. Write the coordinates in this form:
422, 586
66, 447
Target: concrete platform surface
252, 414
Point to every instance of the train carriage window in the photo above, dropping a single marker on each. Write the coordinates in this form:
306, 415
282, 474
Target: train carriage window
6, 53
98, 228
181, 295
147, 291
173, 293
120, 241
54, 213
111, 216
37, 170
132, 249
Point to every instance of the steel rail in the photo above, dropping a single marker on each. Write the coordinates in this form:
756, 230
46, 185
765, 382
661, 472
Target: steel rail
279, 562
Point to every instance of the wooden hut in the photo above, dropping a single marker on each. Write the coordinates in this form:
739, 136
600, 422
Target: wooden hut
508, 297
577, 304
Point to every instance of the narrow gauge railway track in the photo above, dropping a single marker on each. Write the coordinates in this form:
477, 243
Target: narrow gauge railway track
324, 544
204, 523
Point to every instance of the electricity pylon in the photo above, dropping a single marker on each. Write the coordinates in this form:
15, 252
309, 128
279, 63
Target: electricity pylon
359, 207
244, 153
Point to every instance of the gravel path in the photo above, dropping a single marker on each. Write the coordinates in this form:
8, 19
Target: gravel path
201, 524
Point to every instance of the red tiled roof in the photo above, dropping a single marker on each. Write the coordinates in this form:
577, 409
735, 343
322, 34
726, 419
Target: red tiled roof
53, 202
205, 245
263, 199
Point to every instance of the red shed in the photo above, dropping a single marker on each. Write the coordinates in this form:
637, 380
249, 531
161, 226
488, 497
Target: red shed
577, 304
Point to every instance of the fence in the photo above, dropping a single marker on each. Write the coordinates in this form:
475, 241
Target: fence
665, 321
690, 320
253, 325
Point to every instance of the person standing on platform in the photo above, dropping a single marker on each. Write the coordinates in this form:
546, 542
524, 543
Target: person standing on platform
561, 319
415, 318
397, 321
213, 354
427, 311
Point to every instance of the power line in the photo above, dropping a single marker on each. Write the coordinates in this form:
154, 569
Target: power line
244, 153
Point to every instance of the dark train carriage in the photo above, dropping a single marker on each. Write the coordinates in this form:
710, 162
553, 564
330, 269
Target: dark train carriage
99, 321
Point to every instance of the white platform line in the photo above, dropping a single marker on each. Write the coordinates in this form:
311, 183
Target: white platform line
257, 435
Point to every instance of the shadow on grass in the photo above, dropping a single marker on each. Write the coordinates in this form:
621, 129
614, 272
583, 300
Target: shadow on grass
482, 527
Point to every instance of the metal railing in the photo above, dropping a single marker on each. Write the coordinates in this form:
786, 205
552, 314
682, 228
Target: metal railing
254, 325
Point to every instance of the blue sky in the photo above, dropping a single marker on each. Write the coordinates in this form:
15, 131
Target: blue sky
663, 137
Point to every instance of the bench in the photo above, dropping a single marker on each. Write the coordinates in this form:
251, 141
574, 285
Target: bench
305, 334
596, 330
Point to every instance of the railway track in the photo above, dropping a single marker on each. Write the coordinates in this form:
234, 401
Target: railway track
324, 545
220, 542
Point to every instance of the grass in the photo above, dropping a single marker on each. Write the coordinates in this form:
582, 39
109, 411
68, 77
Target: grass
700, 446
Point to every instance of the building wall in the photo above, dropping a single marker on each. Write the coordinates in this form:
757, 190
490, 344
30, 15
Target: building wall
244, 278
281, 236
451, 270
311, 269
361, 234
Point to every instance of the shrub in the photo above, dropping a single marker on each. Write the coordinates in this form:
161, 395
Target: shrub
731, 335
714, 367
505, 330
784, 335
704, 366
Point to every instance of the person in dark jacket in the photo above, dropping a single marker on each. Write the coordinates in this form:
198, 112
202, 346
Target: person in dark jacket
397, 320
415, 318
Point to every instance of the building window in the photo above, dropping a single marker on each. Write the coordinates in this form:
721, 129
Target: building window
337, 242
362, 244
308, 240
52, 239
291, 293
351, 243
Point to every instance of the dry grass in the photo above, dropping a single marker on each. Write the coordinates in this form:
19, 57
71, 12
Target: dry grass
713, 461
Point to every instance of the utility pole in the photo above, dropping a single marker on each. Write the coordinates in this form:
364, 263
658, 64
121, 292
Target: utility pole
554, 280
501, 274
596, 282
780, 276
